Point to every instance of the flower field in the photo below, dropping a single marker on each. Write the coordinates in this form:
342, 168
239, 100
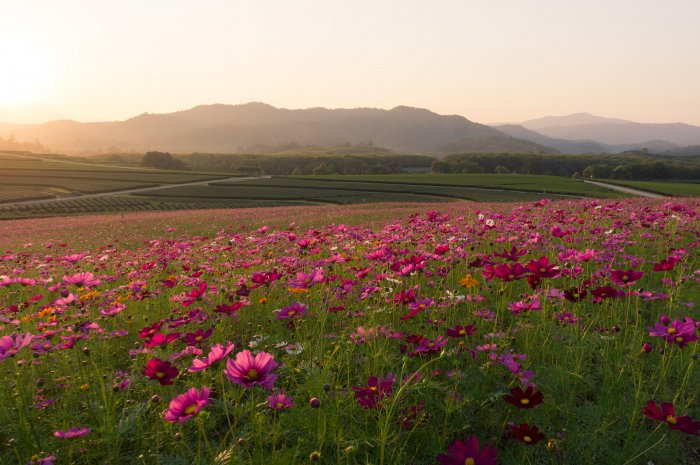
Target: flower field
548, 332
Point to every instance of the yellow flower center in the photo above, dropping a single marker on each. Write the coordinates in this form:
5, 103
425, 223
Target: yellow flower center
252, 375
524, 401
469, 461
292, 313
279, 404
671, 330
671, 420
542, 270
511, 276
527, 439
462, 332
198, 338
190, 409
625, 278
160, 374
679, 339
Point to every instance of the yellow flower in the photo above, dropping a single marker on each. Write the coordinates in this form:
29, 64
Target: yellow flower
468, 281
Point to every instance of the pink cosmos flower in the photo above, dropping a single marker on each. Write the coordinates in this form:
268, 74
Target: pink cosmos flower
72, 433
10, 345
194, 294
81, 280
248, 371
163, 372
280, 401
216, 354
292, 311
467, 452
187, 405
679, 332
625, 277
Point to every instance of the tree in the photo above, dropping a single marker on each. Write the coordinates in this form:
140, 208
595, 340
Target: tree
163, 160
500, 169
322, 169
599, 170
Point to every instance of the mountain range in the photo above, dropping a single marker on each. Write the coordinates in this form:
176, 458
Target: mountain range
255, 127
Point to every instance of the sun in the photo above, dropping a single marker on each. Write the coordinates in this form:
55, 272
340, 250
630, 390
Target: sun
24, 75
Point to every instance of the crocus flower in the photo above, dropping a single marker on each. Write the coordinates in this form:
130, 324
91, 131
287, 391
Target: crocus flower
280, 401
248, 371
163, 372
72, 433
467, 453
528, 434
216, 354
667, 413
187, 405
528, 398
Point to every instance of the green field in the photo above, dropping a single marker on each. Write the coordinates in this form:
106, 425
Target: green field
31, 178
513, 182
681, 189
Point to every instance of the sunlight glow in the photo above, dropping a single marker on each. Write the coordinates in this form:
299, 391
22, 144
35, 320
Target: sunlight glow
25, 74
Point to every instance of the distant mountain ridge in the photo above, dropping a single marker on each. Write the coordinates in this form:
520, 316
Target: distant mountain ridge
614, 131
235, 128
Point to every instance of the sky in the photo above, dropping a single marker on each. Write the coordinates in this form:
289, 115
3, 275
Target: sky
487, 60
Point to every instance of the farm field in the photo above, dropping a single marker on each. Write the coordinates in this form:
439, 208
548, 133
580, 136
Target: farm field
680, 189
543, 332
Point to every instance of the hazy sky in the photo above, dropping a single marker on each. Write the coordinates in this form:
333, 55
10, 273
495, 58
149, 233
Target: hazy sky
488, 60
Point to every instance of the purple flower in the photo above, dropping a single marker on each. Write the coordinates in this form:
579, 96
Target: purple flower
10, 345
280, 401
72, 433
248, 371
187, 405
292, 311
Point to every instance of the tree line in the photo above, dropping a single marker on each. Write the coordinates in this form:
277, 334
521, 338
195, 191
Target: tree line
633, 166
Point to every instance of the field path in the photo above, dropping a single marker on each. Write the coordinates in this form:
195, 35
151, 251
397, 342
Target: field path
628, 190
130, 191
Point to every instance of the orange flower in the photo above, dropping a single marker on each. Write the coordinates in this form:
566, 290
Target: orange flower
468, 281
297, 290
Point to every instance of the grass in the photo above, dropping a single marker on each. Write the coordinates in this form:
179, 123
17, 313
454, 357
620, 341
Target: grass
594, 377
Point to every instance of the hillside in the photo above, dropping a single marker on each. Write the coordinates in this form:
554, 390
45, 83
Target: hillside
656, 136
240, 128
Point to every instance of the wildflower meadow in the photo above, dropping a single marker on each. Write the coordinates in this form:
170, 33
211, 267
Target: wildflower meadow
548, 332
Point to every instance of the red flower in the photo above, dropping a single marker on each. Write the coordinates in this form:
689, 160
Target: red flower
541, 268
161, 371
505, 272
376, 389
196, 292
528, 398
467, 453
623, 277
528, 434
461, 331
667, 414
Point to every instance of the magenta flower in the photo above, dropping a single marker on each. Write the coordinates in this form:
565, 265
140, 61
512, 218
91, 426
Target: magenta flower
163, 372
462, 331
216, 354
541, 268
72, 433
248, 371
10, 345
198, 337
679, 332
292, 311
194, 294
187, 405
369, 397
280, 401
625, 277
667, 413
417, 306
81, 280
429, 346
467, 453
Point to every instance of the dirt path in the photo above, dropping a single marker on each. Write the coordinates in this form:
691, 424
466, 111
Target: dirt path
627, 190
